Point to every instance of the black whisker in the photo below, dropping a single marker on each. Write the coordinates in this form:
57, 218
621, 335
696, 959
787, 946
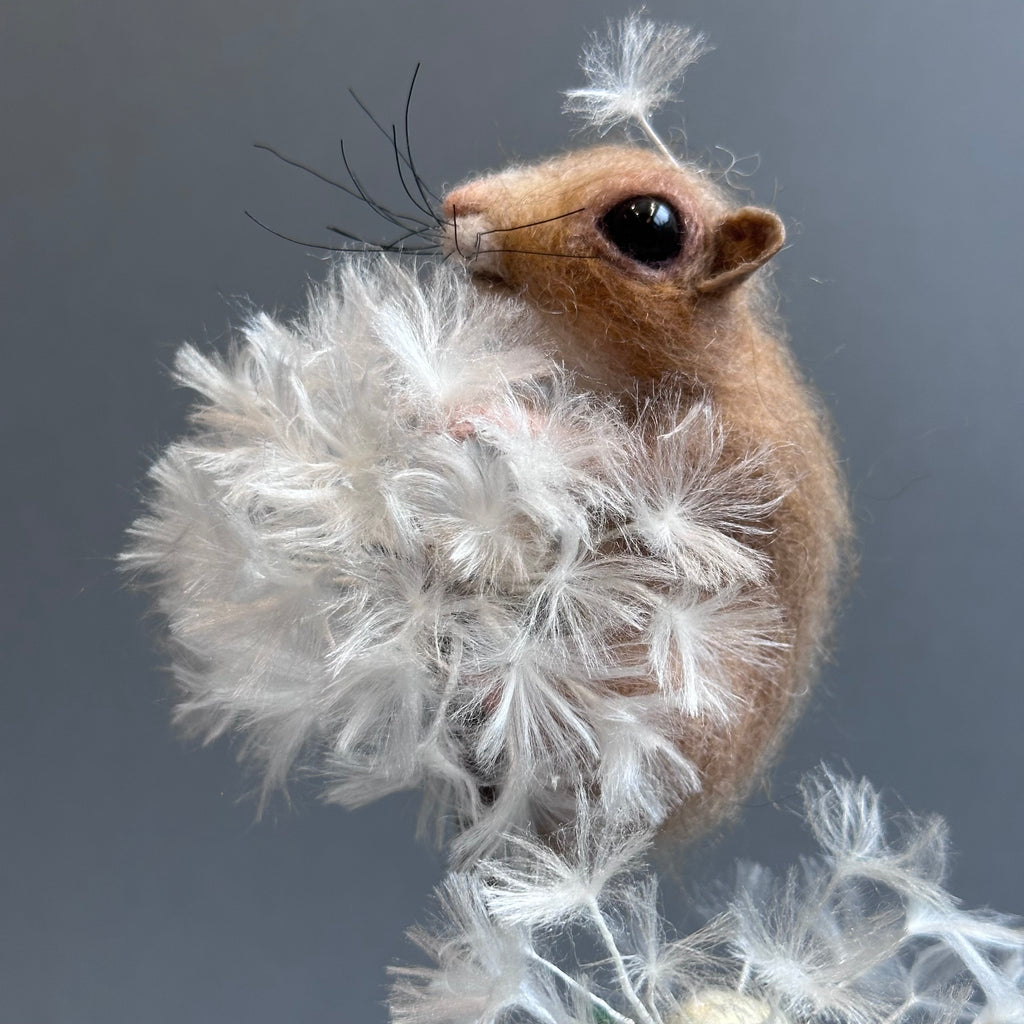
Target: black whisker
387, 135
392, 246
361, 196
421, 233
331, 248
420, 230
401, 177
455, 231
420, 184
309, 170
334, 229
345, 234
430, 235
369, 113
395, 218
532, 224
407, 250
477, 251
537, 252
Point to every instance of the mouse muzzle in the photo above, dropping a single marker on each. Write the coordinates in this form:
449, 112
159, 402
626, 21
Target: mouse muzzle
466, 240
470, 237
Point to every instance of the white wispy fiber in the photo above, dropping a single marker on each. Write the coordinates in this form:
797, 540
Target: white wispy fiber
400, 547
863, 934
536, 886
633, 71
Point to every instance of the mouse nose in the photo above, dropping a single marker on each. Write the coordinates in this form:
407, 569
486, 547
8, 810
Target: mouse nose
466, 200
468, 230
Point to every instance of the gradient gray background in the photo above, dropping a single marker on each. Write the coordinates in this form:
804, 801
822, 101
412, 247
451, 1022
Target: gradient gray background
135, 885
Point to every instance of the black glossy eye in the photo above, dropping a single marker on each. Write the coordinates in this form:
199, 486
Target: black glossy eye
645, 228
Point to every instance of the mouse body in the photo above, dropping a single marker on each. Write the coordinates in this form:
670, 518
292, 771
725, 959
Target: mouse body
551, 528
651, 279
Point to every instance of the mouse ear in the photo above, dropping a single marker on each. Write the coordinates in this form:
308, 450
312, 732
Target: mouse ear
742, 241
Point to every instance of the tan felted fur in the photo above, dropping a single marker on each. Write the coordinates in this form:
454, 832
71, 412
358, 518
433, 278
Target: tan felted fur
700, 322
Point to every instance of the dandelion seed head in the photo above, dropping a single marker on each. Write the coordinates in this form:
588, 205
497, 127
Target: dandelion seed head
403, 546
836, 940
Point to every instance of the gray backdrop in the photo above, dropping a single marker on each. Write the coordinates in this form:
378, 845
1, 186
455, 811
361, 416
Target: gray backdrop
135, 885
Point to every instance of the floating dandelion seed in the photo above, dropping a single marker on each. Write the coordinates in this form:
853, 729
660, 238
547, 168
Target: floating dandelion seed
633, 71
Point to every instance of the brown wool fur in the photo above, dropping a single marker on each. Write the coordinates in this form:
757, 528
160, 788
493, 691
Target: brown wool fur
700, 322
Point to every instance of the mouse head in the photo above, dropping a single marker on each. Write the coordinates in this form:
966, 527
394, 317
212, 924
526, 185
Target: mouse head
635, 253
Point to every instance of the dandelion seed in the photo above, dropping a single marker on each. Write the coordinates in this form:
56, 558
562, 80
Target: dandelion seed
632, 72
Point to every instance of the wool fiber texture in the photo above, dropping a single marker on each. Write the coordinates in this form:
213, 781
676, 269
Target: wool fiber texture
862, 933
401, 546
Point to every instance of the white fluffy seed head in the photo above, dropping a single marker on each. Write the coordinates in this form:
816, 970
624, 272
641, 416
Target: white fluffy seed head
861, 934
403, 547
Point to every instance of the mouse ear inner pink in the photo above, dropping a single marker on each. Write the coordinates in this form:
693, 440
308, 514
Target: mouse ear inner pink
743, 241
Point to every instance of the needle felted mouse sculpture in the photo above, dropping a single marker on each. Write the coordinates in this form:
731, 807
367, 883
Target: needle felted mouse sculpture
551, 528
